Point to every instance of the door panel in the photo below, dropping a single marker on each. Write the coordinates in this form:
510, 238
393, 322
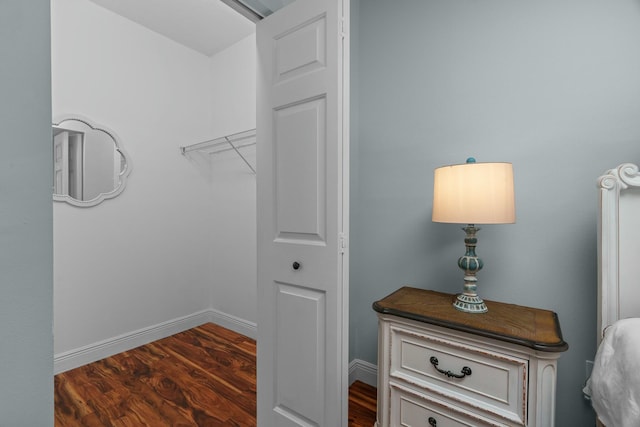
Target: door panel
301, 49
300, 362
302, 188
300, 171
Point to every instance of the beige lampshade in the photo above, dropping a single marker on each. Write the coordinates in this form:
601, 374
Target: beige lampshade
474, 193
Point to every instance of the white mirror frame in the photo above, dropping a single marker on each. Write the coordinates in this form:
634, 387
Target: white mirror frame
123, 173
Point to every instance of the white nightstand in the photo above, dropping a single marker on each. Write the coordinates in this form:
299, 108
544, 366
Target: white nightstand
441, 367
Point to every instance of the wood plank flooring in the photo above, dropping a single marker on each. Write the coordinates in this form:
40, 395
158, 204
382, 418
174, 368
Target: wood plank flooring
204, 377
362, 405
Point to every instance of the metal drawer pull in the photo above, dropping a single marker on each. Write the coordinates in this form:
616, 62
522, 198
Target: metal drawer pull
463, 372
432, 422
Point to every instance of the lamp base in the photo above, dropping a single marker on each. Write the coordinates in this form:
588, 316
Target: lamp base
470, 304
469, 301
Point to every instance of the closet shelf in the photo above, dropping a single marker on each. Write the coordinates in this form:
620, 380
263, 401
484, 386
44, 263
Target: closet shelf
233, 142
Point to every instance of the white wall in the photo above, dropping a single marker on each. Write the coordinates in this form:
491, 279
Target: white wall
145, 257
233, 185
26, 342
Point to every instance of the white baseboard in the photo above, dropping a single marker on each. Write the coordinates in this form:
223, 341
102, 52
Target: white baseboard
360, 370
93, 352
236, 324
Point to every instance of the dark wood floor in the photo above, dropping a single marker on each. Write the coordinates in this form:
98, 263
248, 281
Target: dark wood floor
203, 377
362, 405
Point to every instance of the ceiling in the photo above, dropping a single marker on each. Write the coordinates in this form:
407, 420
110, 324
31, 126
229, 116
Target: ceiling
207, 26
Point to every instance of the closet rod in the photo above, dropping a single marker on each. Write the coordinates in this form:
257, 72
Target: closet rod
234, 141
223, 140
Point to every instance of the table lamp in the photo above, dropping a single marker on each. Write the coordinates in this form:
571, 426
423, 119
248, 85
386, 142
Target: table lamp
473, 193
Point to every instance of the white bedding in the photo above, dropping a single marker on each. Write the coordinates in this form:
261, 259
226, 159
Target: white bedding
614, 385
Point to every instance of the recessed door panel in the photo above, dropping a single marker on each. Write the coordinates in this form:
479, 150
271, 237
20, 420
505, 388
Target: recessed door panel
301, 49
300, 171
300, 362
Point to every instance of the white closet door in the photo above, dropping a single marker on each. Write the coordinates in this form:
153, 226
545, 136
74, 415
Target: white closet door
61, 163
302, 175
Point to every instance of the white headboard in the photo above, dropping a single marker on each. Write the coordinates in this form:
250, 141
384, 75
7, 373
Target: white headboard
618, 245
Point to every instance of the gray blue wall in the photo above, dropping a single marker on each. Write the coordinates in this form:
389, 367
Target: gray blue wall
26, 282
551, 86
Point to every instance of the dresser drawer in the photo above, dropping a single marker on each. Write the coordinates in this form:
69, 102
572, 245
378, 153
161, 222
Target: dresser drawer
468, 375
414, 411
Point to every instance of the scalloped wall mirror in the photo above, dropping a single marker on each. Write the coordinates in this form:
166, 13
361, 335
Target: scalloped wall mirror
89, 162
